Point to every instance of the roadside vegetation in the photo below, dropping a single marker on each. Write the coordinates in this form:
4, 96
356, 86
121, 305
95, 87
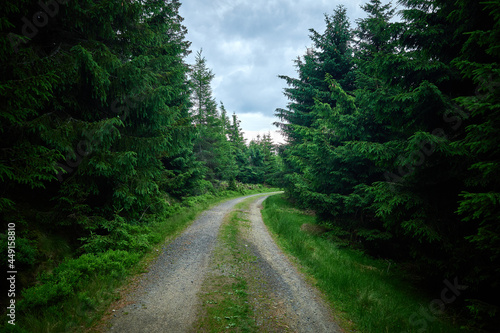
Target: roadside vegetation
367, 294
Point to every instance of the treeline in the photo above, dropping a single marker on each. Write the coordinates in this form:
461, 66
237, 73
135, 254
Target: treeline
105, 127
219, 144
393, 136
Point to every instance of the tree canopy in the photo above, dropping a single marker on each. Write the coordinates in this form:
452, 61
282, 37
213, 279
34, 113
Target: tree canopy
392, 137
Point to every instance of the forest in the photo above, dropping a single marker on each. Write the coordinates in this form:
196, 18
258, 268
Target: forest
392, 138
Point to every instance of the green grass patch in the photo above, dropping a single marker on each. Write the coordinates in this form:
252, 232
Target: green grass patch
73, 296
225, 304
366, 295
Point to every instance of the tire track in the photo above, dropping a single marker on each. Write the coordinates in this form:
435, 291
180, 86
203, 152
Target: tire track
289, 295
167, 297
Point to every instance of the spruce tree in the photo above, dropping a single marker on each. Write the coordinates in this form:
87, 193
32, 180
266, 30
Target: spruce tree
239, 148
323, 74
212, 147
103, 100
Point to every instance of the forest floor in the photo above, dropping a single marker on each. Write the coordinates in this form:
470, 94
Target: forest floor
226, 261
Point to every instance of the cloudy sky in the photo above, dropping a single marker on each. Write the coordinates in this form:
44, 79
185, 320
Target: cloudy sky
248, 43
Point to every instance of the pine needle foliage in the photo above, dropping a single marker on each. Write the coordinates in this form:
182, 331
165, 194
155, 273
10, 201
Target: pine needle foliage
95, 95
392, 138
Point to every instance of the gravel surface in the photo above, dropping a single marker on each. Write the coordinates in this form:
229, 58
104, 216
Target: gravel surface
166, 299
299, 304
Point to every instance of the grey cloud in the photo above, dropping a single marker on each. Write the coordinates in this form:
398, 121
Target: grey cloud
248, 44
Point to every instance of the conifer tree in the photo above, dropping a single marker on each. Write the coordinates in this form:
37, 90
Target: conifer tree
324, 72
211, 145
238, 148
329, 54
103, 100
204, 105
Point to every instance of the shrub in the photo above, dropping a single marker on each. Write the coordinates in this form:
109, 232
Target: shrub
26, 253
68, 277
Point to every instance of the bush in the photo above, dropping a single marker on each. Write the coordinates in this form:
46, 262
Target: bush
26, 253
68, 277
125, 237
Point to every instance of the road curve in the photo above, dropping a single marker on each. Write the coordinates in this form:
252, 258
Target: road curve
166, 298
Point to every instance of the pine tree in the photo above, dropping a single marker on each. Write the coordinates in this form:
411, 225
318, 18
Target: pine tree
204, 105
329, 54
239, 149
104, 99
272, 167
323, 74
212, 147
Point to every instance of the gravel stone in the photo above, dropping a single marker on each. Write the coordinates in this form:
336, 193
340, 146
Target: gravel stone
167, 297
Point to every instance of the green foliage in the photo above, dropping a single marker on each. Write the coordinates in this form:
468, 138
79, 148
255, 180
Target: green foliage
70, 276
368, 295
107, 103
392, 136
211, 146
121, 236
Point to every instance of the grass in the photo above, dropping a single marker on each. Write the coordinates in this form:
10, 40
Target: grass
224, 296
84, 292
365, 294
235, 296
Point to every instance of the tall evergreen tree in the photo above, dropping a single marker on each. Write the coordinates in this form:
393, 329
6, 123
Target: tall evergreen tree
211, 145
94, 101
323, 76
329, 54
204, 105
239, 148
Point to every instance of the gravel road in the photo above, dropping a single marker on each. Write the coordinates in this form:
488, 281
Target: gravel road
166, 298
302, 308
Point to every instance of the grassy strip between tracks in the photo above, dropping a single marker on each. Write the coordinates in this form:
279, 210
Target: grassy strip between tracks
235, 296
224, 296
365, 294
77, 293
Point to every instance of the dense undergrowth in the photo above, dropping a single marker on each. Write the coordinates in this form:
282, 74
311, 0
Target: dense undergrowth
368, 295
72, 294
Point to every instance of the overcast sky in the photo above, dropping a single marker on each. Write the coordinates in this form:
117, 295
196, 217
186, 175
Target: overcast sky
248, 43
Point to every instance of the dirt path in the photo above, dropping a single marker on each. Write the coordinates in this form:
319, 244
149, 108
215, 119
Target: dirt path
167, 297
297, 303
